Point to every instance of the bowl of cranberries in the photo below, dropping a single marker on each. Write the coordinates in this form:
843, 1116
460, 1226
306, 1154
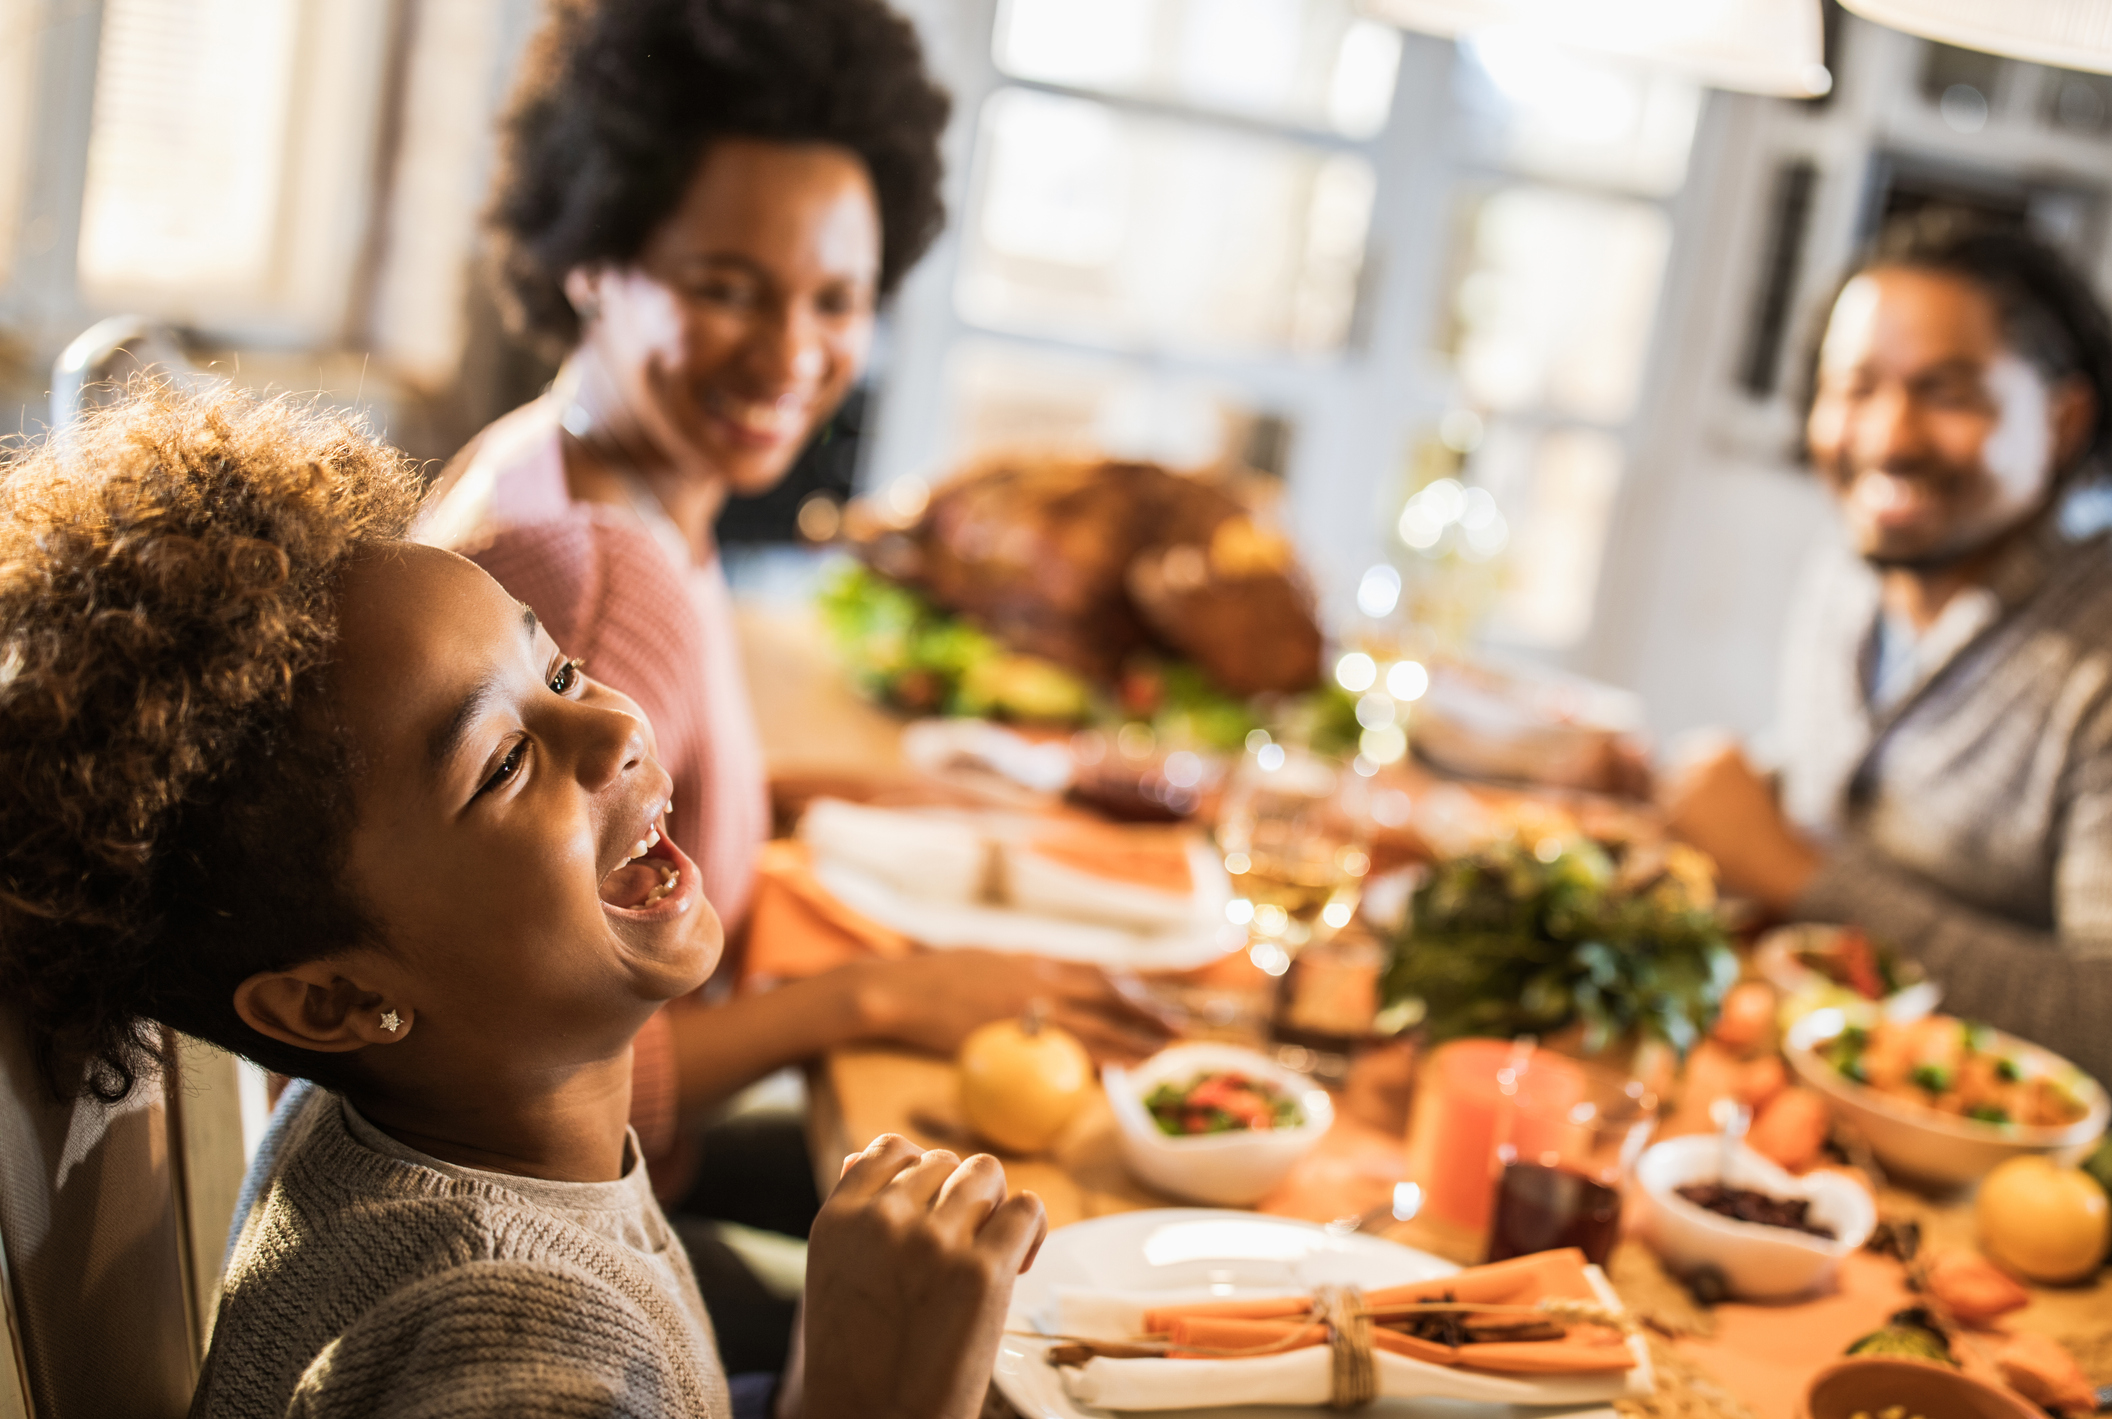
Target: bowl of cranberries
1727, 1215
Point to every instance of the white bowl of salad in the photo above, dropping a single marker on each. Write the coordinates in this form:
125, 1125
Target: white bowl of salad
1214, 1123
1944, 1100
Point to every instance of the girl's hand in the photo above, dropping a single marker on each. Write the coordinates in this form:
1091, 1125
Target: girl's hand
933, 1000
909, 1274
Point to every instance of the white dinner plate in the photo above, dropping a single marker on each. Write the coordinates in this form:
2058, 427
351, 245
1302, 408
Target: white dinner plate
1225, 1253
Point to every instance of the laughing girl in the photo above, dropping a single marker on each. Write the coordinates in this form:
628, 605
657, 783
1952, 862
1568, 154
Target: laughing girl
336, 802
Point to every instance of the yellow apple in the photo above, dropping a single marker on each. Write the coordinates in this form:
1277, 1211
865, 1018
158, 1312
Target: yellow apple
1021, 1082
2043, 1221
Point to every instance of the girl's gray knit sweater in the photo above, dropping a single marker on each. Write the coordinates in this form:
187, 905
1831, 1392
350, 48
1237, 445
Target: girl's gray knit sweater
368, 1279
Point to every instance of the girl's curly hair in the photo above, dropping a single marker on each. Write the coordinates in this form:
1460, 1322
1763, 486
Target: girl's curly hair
175, 800
618, 99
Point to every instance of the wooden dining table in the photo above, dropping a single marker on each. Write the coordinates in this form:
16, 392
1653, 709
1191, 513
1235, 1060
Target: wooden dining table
1756, 1360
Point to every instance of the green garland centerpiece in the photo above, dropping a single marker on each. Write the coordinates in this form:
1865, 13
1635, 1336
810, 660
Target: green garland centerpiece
1518, 939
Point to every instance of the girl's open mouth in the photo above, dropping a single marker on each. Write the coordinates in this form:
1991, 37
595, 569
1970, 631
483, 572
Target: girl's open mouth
657, 879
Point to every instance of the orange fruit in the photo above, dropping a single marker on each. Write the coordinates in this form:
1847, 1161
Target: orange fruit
2043, 1221
1021, 1083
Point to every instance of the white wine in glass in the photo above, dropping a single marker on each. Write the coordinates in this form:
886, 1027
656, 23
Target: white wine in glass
1293, 833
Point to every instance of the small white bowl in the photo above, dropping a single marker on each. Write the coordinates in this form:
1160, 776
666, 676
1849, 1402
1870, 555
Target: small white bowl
1937, 1147
1805, 989
1759, 1263
1222, 1169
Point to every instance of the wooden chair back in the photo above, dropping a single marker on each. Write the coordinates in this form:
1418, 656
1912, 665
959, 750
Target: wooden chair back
113, 1226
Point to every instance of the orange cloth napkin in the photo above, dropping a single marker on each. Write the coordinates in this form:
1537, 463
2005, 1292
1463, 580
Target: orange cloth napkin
1522, 1281
797, 928
1141, 857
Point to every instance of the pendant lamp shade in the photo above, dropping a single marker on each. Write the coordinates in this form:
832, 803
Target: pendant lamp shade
1756, 46
2069, 34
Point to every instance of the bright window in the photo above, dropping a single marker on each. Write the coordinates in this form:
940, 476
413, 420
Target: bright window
1559, 256
1104, 227
1006, 396
1167, 215
1557, 490
1301, 63
1554, 309
17, 88
230, 164
187, 152
1548, 112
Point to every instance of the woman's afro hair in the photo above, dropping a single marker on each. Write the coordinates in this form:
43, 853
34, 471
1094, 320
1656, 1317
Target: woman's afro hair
175, 801
618, 100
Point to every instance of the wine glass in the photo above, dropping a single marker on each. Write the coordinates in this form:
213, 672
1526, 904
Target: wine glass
1294, 834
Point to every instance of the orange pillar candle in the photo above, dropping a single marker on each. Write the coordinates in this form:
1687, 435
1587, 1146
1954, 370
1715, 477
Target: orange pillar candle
1477, 1097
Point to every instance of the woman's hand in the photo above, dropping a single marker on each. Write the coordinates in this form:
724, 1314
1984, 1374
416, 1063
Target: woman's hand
930, 1001
909, 1275
933, 1000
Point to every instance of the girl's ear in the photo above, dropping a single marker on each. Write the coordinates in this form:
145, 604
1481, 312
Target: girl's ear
318, 1006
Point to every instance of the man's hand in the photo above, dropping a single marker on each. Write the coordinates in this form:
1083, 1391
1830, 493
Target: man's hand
1719, 803
933, 1001
909, 1275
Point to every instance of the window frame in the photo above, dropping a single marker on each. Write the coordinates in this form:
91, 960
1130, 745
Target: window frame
308, 298
1381, 378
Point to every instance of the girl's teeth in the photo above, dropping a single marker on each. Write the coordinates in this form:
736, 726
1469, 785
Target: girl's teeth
670, 878
645, 844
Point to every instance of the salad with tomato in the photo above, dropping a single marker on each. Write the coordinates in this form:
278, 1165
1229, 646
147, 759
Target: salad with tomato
1223, 1101
1853, 961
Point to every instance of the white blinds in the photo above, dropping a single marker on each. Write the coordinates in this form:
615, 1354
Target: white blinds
18, 51
187, 156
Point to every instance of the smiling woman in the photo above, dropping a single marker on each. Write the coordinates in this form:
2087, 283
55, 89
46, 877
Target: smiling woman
309, 791
702, 203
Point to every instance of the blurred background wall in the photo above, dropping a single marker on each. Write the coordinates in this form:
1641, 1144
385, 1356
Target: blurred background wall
1279, 234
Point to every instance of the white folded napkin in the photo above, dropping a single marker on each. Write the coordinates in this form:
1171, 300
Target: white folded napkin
1300, 1377
937, 858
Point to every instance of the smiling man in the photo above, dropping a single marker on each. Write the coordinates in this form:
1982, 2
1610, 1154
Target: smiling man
1946, 712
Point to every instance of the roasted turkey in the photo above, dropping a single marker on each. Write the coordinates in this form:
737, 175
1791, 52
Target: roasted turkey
1087, 562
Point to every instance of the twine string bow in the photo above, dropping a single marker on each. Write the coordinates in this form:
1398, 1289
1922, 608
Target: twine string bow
1353, 1380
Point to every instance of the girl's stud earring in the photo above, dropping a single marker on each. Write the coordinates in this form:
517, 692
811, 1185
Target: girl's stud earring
391, 1021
